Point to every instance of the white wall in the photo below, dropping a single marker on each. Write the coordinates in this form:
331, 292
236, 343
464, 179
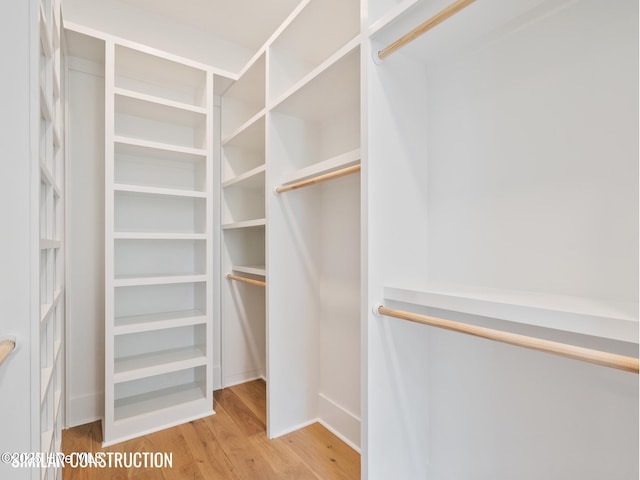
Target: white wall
85, 241
131, 23
512, 164
19, 299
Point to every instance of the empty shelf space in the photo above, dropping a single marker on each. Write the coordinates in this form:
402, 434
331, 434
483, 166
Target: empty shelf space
134, 280
157, 321
327, 166
329, 88
617, 321
138, 105
260, 222
149, 364
157, 400
158, 191
250, 269
252, 179
242, 128
47, 308
46, 375
160, 101
138, 142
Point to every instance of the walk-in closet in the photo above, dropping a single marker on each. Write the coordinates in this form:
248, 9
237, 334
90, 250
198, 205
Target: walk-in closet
324, 239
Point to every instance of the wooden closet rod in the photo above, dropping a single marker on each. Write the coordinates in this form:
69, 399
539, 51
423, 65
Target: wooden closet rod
612, 360
320, 178
6, 347
438, 18
250, 281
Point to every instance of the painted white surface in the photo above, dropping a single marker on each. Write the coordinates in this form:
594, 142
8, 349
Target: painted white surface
85, 240
155, 30
514, 169
19, 300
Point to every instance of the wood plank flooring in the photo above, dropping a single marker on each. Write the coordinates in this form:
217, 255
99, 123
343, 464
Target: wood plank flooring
230, 445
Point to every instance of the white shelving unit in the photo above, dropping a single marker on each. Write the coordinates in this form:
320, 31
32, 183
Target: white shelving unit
52, 227
502, 185
243, 175
159, 244
313, 257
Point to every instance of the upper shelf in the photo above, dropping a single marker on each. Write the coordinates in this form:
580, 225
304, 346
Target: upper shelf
327, 166
297, 51
612, 320
331, 88
482, 20
160, 77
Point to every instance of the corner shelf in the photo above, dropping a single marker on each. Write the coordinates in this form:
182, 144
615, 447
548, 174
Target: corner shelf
335, 163
252, 179
612, 320
261, 222
244, 127
161, 102
259, 270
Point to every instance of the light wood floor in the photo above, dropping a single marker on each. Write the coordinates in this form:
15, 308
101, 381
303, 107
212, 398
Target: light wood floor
232, 444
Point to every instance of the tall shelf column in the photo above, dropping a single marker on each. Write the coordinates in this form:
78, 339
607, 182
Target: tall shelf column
159, 245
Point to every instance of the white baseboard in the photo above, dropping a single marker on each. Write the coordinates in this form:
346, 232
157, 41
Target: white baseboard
243, 377
339, 421
294, 428
84, 409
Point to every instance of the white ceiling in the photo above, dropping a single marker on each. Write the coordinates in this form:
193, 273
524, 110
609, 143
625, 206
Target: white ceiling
246, 22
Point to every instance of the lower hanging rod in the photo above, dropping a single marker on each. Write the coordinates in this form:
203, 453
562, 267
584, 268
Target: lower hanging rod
250, 281
320, 178
606, 359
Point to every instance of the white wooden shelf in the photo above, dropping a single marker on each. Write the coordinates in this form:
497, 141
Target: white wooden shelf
137, 280
139, 142
138, 107
251, 269
156, 401
47, 308
56, 82
163, 102
617, 321
327, 89
45, 105
157, 321
252, 179
158, 191
158, 236
250, 137
46, 244
56, 135
139, 366
327, 166
245, 126
260, 222
45, 35
46, 375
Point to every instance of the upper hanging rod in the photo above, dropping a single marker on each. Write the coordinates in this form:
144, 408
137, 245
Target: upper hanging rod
320, 178
6, 347
606, 359
438, 18
250, 281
